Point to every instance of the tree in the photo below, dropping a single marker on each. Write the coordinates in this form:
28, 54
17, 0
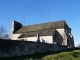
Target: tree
3, 33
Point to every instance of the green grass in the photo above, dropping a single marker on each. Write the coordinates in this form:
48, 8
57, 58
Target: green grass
72, 55
64, 55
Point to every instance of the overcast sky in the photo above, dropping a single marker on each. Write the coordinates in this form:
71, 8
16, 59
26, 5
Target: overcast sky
37, 11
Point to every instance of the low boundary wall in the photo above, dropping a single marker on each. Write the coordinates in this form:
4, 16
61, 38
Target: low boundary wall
11, 48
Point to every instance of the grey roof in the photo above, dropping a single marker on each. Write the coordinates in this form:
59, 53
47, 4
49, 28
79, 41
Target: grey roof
44, 29
41, 33
43, 26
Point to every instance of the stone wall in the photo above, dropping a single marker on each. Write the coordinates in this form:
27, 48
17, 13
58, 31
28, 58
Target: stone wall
11, 48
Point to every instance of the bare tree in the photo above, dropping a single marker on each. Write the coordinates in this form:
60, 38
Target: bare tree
3, 33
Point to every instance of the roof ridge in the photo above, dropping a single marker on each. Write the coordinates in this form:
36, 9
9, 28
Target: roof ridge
46, 23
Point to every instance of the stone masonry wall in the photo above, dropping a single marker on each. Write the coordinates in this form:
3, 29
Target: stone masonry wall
11, 48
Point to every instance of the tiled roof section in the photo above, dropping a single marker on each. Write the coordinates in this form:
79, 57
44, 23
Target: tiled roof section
41, 33
43, 26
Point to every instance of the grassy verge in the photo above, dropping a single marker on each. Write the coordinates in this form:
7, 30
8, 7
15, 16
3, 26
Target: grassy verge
60, 55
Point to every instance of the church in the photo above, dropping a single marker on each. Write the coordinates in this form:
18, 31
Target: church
57, 32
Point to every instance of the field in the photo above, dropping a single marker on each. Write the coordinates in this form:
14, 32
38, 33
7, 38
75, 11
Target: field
60, 55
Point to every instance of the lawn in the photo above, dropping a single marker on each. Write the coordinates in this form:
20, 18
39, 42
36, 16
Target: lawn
60, 55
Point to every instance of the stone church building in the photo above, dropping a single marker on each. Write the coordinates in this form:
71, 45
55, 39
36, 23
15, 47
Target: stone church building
57, 32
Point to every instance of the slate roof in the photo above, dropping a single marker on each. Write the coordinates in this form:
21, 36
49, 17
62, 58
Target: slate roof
42, 28
41, 33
